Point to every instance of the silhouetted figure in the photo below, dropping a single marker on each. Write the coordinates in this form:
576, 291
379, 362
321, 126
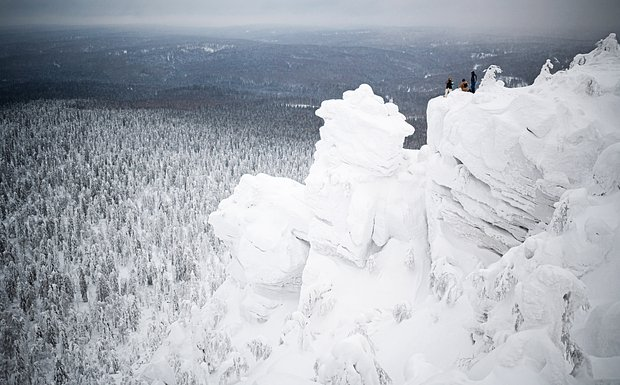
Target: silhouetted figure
474, 79
464, 86
448, 87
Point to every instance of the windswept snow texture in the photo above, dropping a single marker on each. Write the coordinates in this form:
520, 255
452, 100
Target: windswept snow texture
490, 256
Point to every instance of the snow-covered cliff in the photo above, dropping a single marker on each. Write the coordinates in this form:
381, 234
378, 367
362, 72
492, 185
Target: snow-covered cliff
489, 256
503, 156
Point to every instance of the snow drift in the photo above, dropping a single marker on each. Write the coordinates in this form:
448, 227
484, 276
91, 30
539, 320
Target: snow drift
489, 256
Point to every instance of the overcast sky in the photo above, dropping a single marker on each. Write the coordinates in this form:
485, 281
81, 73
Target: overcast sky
517, 15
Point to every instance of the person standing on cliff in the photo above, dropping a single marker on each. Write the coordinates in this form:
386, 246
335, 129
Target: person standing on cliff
474, 79
464, 86
448, 87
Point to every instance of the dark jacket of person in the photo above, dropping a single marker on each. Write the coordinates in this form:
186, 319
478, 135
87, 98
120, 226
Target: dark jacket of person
449, 84
474, 77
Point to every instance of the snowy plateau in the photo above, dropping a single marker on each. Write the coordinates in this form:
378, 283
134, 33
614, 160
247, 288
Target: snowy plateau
489, 256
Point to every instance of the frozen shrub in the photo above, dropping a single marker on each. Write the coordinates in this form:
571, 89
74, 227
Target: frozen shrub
445, 281
559, 221
518, 317
606, 173
490, 77
293, 330
215, 347
504, 283
401, 312
259, 349
545, 72
351, 362
317, 299
236, 367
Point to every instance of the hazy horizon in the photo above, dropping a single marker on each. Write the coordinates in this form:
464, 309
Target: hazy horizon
572, 17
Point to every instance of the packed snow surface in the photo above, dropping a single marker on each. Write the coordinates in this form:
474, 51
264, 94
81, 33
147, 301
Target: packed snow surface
489, 256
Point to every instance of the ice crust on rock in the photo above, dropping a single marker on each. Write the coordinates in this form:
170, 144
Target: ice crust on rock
489, 256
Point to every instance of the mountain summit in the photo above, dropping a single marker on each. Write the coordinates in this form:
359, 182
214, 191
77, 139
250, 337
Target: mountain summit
490, 255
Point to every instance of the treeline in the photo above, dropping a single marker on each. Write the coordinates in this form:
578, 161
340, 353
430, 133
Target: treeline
103, 235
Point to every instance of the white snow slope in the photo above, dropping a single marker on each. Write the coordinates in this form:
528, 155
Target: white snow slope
490, 256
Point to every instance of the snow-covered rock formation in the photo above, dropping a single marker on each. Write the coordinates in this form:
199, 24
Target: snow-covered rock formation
265, 225
505, 156
360, 171
530, 175
490, 256
354, 176
366, 215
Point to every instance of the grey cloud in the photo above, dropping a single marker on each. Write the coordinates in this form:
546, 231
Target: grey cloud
540, 15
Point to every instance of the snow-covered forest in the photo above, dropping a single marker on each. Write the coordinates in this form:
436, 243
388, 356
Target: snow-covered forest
104, 235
